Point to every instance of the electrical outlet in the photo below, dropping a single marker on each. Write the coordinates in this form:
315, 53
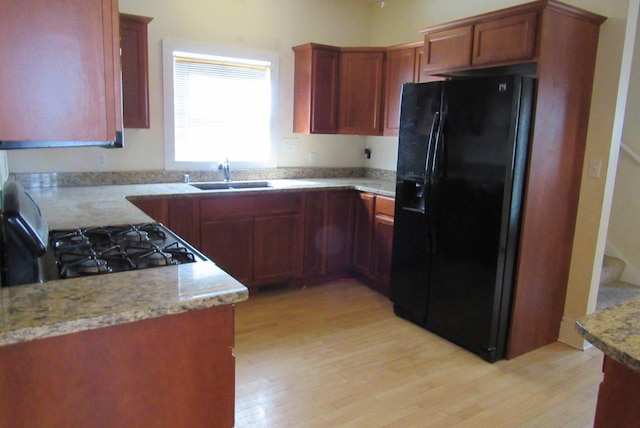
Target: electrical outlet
313, 158
101, 160
289, 144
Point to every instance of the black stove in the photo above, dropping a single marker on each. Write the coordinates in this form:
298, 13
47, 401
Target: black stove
100, 250
30, 252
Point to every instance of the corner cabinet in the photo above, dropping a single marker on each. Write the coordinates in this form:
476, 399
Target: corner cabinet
315, 91
361, 91
373, 240
135, 70
338, 90
44, 102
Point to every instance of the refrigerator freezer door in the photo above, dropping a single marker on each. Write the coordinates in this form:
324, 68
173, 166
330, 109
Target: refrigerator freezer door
472, 197
419, 119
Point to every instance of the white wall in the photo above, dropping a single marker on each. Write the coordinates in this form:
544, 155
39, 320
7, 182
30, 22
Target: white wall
623, 239
274, 25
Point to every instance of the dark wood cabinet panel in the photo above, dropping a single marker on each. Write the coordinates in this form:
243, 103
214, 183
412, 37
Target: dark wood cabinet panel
618, 396
382, 243
339, 231
62, 82
145, 373
184, 218
229, 243
363, 232
400, 69
361, 92
135, 70
315, 93
156, 208
277, 248
315, 239
257, 238
448, 48
505, 40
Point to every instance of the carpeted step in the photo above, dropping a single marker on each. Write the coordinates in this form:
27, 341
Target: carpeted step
615, 292
612, 269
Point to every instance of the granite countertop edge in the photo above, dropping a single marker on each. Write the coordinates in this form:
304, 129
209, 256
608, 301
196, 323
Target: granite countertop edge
615, 331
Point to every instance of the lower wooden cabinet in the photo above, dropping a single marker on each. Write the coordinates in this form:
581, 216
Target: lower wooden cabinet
177, 368
339, 245
257, 238
181, 215
328, 234
276, 248
382, 244
618, 396
260, 239
229, 242
363, 233
373, 240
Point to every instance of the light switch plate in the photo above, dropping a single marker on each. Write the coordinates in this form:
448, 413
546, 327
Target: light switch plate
595, 168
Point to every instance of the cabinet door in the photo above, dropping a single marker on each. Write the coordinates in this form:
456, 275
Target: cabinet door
229, 243
363, 231
448, 48
361, 92
339, 231
60, 80
400, 66
315, 93
277, 248
135, 70
156, 208
504, 40
184, 219
382, 247
315, 239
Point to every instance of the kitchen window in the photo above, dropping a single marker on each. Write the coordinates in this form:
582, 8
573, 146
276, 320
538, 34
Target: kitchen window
220, 103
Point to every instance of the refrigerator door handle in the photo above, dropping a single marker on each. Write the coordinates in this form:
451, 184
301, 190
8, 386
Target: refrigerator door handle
433, 182
434, 160
429, 160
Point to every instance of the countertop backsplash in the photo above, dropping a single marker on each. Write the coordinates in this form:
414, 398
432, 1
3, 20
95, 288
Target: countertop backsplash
107, 178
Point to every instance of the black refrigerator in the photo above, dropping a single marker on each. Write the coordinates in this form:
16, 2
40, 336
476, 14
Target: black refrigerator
461, 172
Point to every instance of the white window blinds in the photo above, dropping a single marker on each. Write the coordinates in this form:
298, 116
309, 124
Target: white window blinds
222, 108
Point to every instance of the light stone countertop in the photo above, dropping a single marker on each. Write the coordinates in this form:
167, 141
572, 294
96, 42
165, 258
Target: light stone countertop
35, 311
616, 332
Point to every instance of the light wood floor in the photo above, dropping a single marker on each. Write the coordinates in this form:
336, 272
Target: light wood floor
335, 355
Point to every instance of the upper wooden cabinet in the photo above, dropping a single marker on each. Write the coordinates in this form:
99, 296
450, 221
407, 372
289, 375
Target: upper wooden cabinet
504, 37
361, 91
403, 65
507, 39
60, 84
447, 48
135, 70
315, 92
338, 90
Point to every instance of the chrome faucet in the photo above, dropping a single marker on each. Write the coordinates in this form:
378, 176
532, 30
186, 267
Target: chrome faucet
226, 169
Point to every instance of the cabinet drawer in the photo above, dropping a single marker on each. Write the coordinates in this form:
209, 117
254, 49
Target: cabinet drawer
385, 205
448, 48
508, 39
249, 205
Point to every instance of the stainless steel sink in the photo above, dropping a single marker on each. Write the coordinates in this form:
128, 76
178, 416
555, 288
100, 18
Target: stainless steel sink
231, 185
